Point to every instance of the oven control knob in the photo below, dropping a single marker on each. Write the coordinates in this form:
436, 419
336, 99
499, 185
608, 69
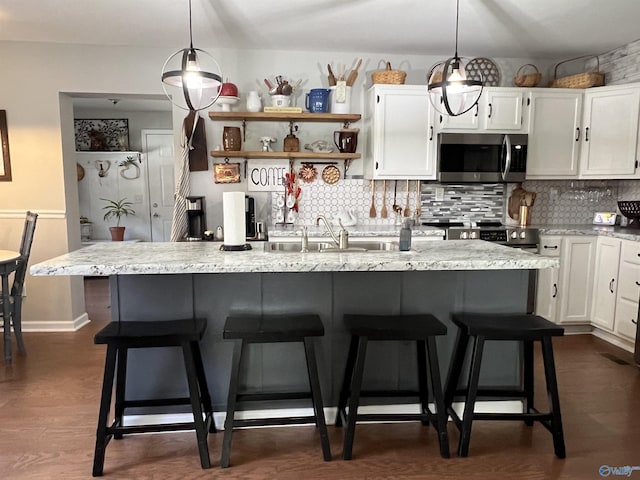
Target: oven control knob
514, 234
464, 235
473, 235
523, 235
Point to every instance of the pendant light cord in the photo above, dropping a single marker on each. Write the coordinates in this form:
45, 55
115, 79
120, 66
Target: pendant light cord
457, 17
191, 31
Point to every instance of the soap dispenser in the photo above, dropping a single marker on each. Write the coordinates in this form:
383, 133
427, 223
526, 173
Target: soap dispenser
405, 236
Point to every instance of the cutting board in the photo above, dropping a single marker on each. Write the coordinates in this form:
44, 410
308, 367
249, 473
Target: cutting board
514, 202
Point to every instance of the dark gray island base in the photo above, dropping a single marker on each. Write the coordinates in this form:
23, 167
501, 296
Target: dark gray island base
273, 367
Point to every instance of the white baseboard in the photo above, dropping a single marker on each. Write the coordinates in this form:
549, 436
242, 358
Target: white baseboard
58, 326
613, 339
500, 406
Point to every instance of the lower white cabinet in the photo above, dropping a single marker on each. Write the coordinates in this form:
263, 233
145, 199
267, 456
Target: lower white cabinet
564, 296
605, 282
626, 313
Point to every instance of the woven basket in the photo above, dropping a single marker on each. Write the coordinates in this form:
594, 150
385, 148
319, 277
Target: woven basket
389, 76
527, 79
579, 80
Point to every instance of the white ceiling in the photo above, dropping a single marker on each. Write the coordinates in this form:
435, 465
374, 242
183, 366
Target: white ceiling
491, 28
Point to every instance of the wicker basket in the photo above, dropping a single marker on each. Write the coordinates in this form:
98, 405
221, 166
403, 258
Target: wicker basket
631, 210
389, 76
527, 79
580, 80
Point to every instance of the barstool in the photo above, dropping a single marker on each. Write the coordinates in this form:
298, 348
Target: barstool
524, 328
273, 329
119, 338
422, 329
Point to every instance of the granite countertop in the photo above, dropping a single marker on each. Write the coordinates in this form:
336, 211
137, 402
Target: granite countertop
117, 258
593, 230
357, 231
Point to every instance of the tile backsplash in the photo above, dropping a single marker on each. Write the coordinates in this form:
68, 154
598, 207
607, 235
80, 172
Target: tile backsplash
557, 202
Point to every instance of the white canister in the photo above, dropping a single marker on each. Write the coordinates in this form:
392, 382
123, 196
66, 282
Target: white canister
340, 100
280, 100
254, 104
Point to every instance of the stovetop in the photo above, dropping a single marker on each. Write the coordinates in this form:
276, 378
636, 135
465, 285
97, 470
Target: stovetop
490, 231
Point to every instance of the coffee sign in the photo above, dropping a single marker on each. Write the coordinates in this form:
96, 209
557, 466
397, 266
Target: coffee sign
266, 175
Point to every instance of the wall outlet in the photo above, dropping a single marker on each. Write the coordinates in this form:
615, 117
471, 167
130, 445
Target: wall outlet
553, 195
439, 194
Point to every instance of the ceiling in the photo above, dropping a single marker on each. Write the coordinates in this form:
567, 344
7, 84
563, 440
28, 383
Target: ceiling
552, 29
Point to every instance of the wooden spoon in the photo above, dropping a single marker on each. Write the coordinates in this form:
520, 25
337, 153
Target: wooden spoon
384, 212
407, 210
418, 203
351, 79
372, 210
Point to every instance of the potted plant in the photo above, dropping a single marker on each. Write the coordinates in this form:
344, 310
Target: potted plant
117, 209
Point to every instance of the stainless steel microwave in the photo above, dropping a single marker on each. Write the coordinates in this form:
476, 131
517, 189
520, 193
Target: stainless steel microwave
482, 157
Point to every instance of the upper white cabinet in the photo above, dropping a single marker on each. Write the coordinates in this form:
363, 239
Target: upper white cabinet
400, 139
610, 133
555, 118
499, 110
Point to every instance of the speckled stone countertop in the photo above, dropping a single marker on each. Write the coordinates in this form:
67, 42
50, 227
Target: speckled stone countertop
357, 231
142, 258
594, 230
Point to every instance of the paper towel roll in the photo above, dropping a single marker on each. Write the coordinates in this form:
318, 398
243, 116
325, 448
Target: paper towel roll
233, 214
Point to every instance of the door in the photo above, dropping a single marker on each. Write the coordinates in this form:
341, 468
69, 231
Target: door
576, 276
605, 284
158, 147
503, 109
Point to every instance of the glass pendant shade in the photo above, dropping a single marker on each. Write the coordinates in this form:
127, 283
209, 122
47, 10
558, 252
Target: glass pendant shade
191, 78
450, 91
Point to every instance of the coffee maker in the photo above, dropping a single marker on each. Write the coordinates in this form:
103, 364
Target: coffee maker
250, 216
196, 218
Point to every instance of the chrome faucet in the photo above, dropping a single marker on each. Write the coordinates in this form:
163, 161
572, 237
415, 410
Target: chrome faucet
342, 240
304, 240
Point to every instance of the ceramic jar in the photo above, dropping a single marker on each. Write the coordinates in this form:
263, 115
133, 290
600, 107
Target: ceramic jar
254, 104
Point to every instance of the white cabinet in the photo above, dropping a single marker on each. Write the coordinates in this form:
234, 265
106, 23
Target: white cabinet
605, 282
610, 133
626, 314
401, 143
498, 110
564, 295
547, 288
576, 276
555, 118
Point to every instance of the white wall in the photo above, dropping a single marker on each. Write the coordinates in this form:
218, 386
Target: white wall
35, 91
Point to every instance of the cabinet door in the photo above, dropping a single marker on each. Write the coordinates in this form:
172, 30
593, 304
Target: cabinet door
576, 275
547, 293
605, 282
503, 109
554, 134
466, 121
610, 133
403, 141
626, 319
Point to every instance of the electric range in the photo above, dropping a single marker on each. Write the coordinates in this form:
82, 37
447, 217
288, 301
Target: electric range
490, 231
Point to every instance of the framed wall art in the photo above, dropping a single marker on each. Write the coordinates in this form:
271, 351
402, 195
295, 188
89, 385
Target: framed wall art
102, 135
5, 163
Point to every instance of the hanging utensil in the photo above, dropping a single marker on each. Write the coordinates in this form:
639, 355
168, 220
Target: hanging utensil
384, 212
351, 79
332, 77
396, 208
372, 209
418, 202
407, 210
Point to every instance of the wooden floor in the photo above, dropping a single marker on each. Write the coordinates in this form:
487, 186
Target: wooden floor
49, 404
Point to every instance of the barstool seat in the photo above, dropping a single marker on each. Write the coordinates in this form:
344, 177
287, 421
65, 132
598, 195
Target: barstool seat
525, 328
123, 335
272, 329
423, 329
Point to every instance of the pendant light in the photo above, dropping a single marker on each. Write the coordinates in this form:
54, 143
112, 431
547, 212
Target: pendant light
191, 78
450, 91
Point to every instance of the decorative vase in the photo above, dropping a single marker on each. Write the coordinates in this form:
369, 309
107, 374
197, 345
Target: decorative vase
254, 104
117, 233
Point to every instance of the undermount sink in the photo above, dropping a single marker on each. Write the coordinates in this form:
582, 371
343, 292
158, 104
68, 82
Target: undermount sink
328, 247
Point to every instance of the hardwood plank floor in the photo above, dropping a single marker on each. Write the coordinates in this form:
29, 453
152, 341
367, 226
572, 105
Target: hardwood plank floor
49, 406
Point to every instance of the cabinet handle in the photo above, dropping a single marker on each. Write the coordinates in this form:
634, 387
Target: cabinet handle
477, 108
586, 134
555, 290
577, 134
431, 133
634, 321
490, 110
376, 165
637, 283
611, 285
555, 247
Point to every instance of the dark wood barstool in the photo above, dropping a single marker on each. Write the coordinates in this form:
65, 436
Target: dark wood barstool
523, 328
273, 329
119, 338
423, 329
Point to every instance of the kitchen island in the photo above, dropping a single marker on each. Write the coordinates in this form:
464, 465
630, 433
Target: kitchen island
162, 281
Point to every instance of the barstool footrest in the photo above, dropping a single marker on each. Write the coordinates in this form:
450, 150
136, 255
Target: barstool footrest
273, 421
157, 402
153, 428
393, 417
259, 397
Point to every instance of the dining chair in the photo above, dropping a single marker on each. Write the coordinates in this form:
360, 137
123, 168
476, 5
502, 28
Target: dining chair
17, 288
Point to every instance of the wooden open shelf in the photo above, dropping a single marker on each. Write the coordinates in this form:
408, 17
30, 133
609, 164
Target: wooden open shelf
285, 117
288, 155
